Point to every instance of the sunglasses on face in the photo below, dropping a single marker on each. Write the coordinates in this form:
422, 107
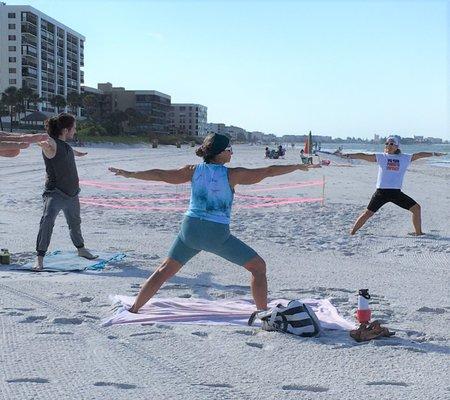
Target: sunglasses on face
390, 144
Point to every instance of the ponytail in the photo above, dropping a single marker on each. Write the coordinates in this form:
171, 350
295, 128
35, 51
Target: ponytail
55, 125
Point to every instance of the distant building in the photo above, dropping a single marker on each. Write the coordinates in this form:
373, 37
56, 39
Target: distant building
255, 136
188, 119
39, 52
153, 105
236, 133
434, 140
212, 128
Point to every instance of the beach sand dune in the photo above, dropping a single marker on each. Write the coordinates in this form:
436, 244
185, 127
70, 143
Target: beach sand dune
53, 347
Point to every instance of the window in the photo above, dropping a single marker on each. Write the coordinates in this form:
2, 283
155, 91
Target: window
12, 70
12, 59
11, 37
11, 15
11, 26
12, 48
13, 81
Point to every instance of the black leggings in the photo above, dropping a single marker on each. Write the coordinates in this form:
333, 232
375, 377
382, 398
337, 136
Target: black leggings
396, 196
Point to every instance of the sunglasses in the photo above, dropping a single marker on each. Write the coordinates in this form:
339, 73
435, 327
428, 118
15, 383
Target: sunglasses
390, 144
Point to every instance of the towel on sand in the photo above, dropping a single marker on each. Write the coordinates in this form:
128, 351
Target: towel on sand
212, 312
69, 261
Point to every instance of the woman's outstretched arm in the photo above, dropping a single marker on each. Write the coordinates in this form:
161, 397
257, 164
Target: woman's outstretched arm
246, 176
425, 154
175, 176
360, 156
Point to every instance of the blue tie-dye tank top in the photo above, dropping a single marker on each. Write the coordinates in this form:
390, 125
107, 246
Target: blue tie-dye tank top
211, 194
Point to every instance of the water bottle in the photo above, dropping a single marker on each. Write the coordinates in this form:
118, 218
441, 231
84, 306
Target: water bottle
363, 313
5, 257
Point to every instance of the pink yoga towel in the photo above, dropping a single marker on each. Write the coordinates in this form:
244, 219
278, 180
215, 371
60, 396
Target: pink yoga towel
213, 312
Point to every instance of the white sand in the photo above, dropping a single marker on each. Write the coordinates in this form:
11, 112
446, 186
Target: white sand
52, 345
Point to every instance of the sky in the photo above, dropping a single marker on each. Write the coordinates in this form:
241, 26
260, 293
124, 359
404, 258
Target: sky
337, 68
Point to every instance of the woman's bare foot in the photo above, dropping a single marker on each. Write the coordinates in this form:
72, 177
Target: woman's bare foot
39, 264
133, 309
85, 253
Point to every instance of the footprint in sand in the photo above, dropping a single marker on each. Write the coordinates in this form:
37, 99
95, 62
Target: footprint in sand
55, 333
306, 388
86, 299
214, 385
432, 310
144, 334
68, 321
14, 314
254, 344
92, 317
33, 318
28, 380
246, 333
116, 385
185, 296
387, 383
200, 334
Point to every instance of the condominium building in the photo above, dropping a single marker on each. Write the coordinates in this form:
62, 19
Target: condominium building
153, 106
39, 52
188, 119
212, 128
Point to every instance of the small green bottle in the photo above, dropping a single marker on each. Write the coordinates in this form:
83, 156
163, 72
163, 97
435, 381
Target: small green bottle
5, 257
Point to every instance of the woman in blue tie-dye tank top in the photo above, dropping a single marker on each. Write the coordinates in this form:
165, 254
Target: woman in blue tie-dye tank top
206, 222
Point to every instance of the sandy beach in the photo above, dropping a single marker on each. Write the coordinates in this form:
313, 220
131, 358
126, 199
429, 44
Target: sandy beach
53, 346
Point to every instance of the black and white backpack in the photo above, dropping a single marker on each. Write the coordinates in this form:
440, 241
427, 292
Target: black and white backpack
296, 318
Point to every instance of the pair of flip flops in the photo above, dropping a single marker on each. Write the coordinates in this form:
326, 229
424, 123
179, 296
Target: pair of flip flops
371, 331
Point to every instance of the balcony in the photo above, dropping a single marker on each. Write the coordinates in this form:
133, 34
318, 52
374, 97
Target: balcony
29, 29
26, 62
30, 82
29, 51
29, 71
47, 47
29, 18
29, 40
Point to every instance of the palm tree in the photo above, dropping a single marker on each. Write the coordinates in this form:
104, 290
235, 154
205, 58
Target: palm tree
91, 105
33, 102
10, 99
3, 112
134, 117
74, 100
58, 101
34, 99
23, 96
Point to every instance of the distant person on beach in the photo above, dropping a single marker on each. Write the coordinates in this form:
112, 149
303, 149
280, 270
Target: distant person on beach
61, 186
206, 222
281, 152
11, 144
267, 152
392, 165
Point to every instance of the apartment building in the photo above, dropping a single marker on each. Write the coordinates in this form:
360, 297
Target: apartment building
39, 52
154, 106
188, 119
213, 128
